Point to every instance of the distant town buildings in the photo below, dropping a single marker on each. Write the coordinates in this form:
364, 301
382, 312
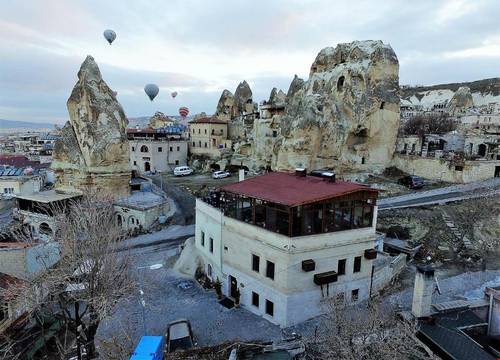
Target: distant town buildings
283, 242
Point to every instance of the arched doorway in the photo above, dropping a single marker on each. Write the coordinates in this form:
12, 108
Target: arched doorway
481, 150
119, 220
147, 166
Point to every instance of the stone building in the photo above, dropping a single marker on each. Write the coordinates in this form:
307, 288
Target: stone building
161, 149
286, 242
208, 137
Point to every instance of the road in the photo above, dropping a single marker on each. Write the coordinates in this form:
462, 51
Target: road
444, 195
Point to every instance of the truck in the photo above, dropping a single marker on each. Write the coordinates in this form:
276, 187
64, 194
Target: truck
149, 348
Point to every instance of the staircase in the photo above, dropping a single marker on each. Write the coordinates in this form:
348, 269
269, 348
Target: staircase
449, 223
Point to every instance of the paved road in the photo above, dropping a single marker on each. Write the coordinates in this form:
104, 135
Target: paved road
489, 187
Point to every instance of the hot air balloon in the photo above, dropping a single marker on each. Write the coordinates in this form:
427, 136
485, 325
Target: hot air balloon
174, 94
109, 35
115, 93
183, 111
151, 91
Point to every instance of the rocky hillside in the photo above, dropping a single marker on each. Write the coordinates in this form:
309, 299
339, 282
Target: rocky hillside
482, 91
346, 115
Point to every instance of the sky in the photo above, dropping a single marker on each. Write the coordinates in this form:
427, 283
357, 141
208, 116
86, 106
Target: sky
199, 48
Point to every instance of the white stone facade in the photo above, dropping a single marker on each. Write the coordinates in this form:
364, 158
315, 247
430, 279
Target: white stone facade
227, 245
157, 155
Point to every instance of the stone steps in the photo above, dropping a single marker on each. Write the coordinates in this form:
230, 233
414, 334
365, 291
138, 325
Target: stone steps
455, 231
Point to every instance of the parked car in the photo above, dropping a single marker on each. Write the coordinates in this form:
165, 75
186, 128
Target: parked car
220, 174
179, 336
412, 181
183, 171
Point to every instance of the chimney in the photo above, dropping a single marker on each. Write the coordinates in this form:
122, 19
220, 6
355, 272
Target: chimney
241, 174
300, 172
328, 176
422, 291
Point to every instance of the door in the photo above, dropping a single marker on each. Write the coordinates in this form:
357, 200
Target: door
233, 286
497, 171
147, 166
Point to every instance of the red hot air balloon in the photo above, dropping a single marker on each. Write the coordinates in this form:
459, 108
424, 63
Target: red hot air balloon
183, 111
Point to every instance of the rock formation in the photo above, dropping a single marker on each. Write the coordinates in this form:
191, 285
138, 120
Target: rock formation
225, 108
93, 149
276, 97
231, 106
160, 120
461, 100
346, 115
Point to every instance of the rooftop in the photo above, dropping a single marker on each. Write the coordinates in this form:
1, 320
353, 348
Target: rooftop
47, 196
141, 200
208, 120
291, 190
19, 161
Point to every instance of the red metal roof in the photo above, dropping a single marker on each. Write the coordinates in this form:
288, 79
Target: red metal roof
291, 190
20, 161
207, 120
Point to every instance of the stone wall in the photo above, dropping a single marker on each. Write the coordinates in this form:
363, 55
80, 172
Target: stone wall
445, 170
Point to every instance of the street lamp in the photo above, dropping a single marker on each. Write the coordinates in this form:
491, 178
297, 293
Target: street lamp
141, 292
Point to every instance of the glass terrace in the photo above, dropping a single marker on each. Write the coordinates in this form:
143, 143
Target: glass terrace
351, 211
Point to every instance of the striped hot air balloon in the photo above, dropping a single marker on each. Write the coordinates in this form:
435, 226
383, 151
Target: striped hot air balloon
183, 111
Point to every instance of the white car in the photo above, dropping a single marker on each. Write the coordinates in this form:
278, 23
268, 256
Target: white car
220, 174
183, 171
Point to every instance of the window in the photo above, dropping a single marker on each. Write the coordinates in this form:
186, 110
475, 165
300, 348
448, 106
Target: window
171, 149
209, 270
459, 168
205, 131
199, 131
275, 133
202, 238
225, 248
211, 245
144, 148
341, 267
206, 144
213, 131
255, 263
176, 162
269, 308
160, 149
178, 148
255, 299
199, 143
222, 131
194, 144
135, 162
355, 295
357, 264
270, 270
133, 148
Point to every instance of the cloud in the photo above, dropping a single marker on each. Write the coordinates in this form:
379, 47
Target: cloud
200, 48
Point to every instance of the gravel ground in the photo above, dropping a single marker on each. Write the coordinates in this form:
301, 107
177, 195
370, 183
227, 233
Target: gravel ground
166, 301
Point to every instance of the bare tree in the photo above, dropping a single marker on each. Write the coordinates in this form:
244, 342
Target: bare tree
91, 276
365, 331
428, 124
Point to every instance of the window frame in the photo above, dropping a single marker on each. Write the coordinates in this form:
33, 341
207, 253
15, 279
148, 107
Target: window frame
269, 265
255, 299
356, 267
343, 267
269, 306
256, 263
